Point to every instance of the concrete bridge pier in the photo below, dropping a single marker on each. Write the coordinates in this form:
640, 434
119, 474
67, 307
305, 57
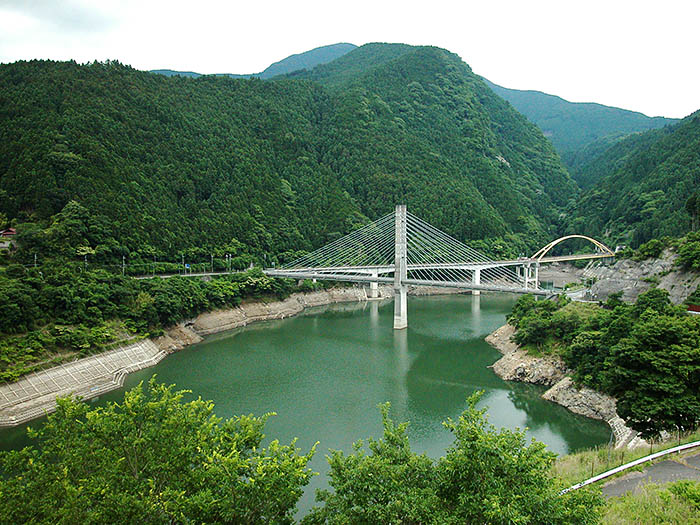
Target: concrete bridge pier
400, 270
400, 308
374, 287
476, 279
531, 275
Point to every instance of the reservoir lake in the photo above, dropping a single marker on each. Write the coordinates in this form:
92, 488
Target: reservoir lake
325, 371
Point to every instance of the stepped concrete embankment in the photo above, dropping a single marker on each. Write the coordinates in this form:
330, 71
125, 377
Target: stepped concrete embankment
35, 395
517, 365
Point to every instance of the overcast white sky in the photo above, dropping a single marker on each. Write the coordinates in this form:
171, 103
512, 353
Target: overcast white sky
640, 55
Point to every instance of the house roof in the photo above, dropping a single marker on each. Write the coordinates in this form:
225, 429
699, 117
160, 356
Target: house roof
8, 232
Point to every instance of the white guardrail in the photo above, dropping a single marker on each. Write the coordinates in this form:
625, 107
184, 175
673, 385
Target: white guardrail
631, 464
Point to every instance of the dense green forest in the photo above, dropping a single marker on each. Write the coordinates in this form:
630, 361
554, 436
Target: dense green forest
306, 60
156, 458
650, 187
652, 344
107, 170
167, 164
496, 168
577, 129
600, 158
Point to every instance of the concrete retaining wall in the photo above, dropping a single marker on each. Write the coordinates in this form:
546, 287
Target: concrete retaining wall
35, 394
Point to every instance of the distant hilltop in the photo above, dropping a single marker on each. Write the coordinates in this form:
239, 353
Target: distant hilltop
572, 126
307, 60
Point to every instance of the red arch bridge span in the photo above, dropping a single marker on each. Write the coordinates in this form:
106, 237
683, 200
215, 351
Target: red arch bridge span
403, 250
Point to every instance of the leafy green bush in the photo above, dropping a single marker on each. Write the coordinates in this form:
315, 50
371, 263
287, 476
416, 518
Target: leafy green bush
152, 458
694, 298
651, 249
688, 249
688, 491
647, 354
487, 476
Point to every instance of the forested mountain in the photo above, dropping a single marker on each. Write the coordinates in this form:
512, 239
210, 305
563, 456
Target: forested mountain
169, 164
645, 195
307, 60
448, 139
602, 157
573, 126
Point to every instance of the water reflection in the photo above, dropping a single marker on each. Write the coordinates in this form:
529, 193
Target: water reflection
476, 309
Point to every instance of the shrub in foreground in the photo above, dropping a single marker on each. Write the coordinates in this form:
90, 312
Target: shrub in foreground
151, 459
487, 476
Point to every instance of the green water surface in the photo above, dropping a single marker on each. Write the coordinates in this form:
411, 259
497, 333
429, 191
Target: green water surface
325, 371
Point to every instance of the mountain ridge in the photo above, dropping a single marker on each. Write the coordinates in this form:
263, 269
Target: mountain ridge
276, 165
575, 126
305, 60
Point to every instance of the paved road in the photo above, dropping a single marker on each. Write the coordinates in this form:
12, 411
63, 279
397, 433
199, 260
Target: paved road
674, 469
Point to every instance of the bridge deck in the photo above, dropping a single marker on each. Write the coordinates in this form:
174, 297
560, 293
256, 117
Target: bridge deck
471, 265
412, 282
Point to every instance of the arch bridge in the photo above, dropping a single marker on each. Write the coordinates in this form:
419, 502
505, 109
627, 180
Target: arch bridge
403, 250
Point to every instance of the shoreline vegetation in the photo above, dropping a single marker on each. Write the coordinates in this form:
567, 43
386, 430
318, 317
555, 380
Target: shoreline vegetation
517, 365
590, 354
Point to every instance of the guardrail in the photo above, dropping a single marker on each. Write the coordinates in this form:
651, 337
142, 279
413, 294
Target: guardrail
631, 464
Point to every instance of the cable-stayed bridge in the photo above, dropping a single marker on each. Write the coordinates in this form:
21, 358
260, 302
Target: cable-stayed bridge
403, 250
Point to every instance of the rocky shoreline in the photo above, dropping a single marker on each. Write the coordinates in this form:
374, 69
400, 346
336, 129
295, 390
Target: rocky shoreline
192, 331
517, 365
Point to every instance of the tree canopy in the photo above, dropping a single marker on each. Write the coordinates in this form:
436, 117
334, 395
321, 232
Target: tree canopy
156, 458
486, 476
648, 187
152, 458
647, 355
166, 164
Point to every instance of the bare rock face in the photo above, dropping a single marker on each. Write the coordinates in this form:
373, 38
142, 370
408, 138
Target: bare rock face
629, 276
502, 339
176, 338
517, 365
584, 401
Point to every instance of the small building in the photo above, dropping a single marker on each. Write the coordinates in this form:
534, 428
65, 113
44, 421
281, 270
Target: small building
9, 233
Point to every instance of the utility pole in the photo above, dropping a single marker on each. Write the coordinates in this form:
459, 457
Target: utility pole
212, 263
35, 260
123, 265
